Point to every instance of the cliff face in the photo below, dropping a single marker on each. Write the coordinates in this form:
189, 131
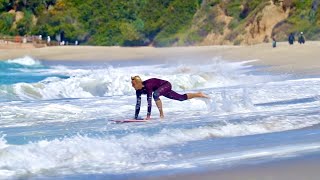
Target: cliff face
260, 29
257, 27
244, 23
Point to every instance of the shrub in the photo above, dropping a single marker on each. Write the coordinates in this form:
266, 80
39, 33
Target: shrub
6, 22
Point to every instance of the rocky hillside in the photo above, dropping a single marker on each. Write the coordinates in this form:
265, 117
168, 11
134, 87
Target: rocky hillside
251, 22
161, 22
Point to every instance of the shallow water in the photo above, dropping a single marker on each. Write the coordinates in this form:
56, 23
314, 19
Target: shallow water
56, 118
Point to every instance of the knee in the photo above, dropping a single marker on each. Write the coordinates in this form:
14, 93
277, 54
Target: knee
156, 96
183, 97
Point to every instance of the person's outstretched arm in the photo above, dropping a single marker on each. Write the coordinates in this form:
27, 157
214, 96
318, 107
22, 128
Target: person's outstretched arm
138, 104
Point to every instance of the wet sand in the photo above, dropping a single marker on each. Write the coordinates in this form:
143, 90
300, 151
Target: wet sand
299, 168
284, 58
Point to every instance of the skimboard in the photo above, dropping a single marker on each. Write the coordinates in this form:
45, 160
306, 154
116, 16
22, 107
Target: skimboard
130, 120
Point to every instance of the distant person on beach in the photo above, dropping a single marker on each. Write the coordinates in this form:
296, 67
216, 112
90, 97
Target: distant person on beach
274, 42
291, 39
48, 40
24, 40
301, 38
159, 88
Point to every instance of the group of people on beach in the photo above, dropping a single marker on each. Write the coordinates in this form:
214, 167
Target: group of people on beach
301, 38
291, 39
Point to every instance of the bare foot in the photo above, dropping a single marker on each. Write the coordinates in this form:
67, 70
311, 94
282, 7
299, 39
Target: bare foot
202, 95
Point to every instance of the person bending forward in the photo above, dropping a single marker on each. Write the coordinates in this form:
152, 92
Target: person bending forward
159, 88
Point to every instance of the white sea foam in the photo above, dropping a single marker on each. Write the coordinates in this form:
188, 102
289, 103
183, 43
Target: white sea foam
3, 142
26, 61
244, 99
274, 152
84, 154
242, 103
78, 154
109, 81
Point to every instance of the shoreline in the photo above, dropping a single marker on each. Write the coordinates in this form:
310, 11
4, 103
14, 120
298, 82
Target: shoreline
293, 168
284, 58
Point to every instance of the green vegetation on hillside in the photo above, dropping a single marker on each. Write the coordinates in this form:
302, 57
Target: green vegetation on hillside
150, 22
304, 17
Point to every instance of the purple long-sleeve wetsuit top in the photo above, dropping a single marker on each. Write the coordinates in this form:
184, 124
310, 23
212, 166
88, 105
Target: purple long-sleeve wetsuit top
160, 88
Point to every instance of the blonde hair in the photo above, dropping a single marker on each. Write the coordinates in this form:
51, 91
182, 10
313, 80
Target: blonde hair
136, 78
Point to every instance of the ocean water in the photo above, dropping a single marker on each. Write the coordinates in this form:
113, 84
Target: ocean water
56, 118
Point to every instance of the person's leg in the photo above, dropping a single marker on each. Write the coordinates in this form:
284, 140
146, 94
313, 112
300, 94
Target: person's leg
163, 89
197, 95
166, 91
169, 93
159, 105
182, 97
176, 96
156, 98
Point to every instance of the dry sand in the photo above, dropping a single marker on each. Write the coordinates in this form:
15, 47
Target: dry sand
284, 58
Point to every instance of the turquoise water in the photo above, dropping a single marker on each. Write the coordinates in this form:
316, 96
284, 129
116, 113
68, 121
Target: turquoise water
56, 118
14, 71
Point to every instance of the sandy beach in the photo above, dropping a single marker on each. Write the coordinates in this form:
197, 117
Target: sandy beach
284, 58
